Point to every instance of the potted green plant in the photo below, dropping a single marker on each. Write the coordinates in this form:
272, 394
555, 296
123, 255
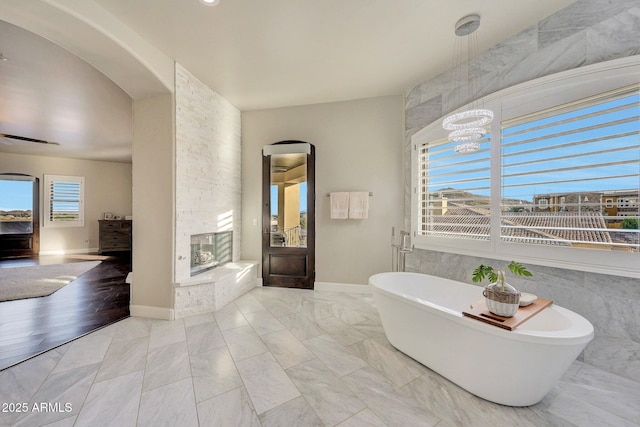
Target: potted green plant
501, 298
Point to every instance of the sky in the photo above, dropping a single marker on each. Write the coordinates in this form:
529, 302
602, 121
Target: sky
274, 198
16, 195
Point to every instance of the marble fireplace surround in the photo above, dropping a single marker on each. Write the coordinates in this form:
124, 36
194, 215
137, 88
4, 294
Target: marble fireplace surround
215, 288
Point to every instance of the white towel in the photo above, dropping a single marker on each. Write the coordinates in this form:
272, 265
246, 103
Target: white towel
339, 205
359, 205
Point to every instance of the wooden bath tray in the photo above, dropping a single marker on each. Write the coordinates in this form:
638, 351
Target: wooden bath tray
480, 312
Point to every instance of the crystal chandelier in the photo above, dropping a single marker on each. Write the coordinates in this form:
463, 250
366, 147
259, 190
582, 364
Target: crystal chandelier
468, 126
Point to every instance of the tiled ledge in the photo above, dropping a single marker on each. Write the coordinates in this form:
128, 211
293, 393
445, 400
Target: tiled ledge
217, 274
210, 291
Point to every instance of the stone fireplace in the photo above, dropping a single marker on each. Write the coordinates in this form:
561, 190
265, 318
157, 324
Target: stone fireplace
210, 250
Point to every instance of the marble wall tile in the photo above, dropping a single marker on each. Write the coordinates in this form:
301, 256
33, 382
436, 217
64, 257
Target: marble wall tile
169, 405
266, 382
578, 16
327, 394
233, 408
112, 402
618, 355
614, 38
296, 412
425, 113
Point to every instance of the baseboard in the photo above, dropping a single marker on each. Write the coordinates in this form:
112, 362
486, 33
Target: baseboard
342, 287
151, 312
70, 251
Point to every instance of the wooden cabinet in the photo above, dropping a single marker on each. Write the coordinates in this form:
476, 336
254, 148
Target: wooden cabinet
115, 235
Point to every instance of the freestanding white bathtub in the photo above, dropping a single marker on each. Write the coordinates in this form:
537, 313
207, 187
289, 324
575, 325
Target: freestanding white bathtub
422, 317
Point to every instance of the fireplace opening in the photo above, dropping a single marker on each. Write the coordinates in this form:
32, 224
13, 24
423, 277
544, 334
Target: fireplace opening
210, 250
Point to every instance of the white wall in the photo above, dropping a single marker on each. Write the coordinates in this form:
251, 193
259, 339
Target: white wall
153, 207
358, 148
107, 189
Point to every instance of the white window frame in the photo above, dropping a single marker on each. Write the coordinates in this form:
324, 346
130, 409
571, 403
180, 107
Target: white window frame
48, 181
514, 102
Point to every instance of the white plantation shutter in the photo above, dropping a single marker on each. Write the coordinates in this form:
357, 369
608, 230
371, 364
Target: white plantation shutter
563, 167
64, 201
453, 191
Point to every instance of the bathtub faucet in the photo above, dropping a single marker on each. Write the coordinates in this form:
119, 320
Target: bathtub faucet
399, 251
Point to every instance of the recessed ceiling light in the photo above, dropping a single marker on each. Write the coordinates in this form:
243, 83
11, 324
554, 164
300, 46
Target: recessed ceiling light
210, 2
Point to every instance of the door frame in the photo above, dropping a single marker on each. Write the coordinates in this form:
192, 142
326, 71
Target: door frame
25, 244
302, 258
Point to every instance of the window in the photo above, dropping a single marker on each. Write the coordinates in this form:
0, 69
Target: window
558, 148
454, 192
583, 148
64, 201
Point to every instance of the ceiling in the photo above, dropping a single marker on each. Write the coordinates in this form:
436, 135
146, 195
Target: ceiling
257, 54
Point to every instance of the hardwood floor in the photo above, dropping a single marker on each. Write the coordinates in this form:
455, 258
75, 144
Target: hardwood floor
98, 298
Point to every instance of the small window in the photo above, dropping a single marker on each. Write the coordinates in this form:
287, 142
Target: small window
64, 201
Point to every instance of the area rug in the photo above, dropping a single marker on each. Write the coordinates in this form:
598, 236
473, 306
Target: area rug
39, 280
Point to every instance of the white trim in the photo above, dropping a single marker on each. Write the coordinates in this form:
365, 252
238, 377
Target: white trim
69, 251
342, 287
152, 312
301, 148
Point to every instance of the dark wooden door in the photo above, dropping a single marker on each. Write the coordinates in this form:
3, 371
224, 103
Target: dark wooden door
288, 217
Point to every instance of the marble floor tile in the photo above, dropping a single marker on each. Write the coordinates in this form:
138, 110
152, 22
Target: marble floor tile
113, 402
133, 327
301, 327
69, 387
124, 357
243, 342
247, 303
229, 317
84, 351
213, 373
19, 383
287, 349
204, 337
327, 394
333, 354
198, 319
167, 332
342, 332
263, 322
232, 408
365, 418
296, 412
394, 365
170, 405
214, 369
387, 402
267, 383
166, 364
